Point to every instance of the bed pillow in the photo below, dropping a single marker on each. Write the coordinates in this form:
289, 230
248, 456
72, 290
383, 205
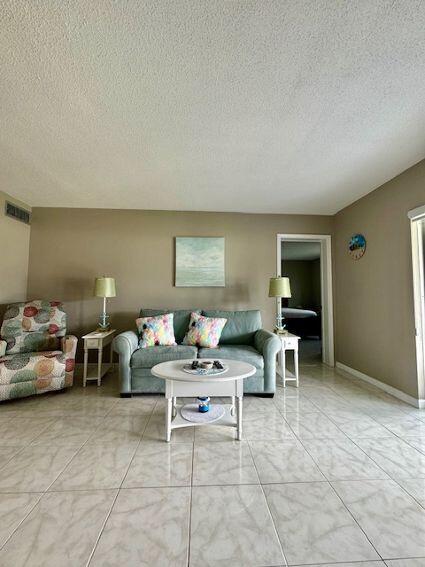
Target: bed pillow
204, 331
156, 331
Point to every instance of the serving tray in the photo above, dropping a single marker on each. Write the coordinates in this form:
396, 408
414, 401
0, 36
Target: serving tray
203, 371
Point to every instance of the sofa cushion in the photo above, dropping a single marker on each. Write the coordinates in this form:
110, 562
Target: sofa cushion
181, 319
148, 357
240, 328
245, 353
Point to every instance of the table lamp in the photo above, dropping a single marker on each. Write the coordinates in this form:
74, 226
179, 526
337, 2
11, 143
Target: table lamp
104, 287
279, 287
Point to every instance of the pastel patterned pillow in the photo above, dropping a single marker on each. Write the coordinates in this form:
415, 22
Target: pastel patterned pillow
204, 331
156, 331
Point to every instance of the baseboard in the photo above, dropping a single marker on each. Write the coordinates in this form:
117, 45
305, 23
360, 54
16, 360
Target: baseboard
382, 386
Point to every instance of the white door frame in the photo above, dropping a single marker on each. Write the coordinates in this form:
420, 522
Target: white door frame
417, 218
325, 240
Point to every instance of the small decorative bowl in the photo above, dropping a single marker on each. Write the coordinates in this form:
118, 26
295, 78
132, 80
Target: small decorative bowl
206, 365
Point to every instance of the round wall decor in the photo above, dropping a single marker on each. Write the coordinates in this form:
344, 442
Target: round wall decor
357, 246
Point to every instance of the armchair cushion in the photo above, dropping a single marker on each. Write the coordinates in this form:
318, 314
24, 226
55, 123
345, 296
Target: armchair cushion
25, 374
33, 326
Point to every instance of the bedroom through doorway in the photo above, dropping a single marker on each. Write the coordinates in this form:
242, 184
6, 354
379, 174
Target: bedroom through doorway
306, 261
302, 312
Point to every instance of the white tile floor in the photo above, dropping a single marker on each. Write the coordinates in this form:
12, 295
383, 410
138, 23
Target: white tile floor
330, 474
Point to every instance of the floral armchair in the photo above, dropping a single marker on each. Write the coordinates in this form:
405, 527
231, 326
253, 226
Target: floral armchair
36, 355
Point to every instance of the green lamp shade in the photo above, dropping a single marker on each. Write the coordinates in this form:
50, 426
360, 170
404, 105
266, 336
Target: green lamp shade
104, 287
279, 287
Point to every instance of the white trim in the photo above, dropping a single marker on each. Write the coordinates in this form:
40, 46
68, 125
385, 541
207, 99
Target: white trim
382, 386
416, 214
326, 286
417, 218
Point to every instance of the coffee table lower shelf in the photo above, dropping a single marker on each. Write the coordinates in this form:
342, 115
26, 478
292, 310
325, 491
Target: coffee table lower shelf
229, 419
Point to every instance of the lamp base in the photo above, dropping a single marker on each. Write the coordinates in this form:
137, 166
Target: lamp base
280, 324
104, 324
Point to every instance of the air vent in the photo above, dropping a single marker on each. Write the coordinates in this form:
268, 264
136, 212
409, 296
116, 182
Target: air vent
17, 213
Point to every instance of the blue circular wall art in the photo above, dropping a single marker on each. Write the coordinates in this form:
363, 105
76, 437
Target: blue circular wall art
357, 246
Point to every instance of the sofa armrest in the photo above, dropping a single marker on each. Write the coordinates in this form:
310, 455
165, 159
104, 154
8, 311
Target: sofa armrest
268, 344
3, 345
69, 347
125, 344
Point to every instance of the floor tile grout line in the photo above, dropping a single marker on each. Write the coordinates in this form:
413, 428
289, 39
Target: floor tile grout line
90, 557
13, 456
339, 563
268, 507
70, 461
343, 503
355, 519
407, 492
23, 519
390, 476
117, 494
137, 447
299, 437
190, 504
44, 492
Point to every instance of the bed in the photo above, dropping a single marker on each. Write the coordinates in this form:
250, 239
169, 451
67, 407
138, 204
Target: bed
303, 322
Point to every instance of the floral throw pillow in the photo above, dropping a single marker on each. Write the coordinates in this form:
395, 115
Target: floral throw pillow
204, 331
156, 331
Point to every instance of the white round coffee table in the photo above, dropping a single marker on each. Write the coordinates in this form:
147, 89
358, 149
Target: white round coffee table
179, 383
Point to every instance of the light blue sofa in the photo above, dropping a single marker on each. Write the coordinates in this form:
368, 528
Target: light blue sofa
242, 339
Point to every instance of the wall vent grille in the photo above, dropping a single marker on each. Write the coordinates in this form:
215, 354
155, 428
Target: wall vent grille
17, 213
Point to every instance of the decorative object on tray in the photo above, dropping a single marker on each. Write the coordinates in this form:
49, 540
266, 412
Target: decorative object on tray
204, 404
156, 331
279, 287
201, 368
190, 412
204, 331
199, 261
104, 287
357, 246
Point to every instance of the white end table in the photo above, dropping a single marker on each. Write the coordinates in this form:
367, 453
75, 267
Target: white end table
97, 340
288, 342
179, 383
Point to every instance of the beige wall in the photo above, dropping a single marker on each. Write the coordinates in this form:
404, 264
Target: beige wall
15, 240
70, 247
374, 296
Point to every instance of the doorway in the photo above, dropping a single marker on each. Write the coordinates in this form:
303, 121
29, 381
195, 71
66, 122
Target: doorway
306, 260
417, 225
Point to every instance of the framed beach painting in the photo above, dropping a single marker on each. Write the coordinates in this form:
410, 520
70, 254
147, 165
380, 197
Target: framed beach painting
199, 261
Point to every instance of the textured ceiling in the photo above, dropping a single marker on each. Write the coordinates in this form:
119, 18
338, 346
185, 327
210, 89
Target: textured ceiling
257, 106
